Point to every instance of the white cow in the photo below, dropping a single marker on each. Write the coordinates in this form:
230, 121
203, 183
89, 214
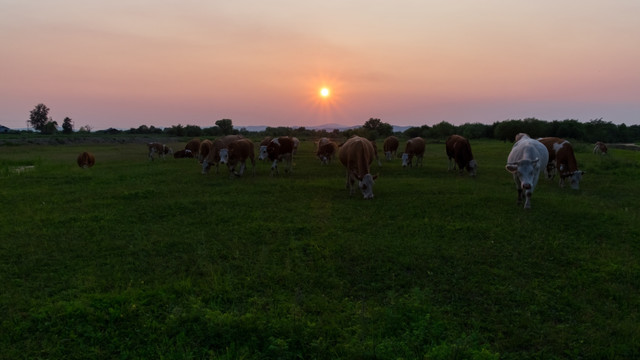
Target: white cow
527, 158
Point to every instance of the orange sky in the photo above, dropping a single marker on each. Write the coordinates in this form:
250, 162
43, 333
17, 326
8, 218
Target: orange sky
162, 63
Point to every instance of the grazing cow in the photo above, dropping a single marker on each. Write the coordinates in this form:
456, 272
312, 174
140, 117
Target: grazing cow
459, 153
390, 147
280, 148
526, 159
600, 148
262, 152
562, 157
219, 153
160, 149
86, 160
326, 150
239, 151
194, 146
184, 153
204, 150
356, 154
415, 147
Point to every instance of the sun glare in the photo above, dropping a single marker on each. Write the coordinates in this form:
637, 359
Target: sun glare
324, 92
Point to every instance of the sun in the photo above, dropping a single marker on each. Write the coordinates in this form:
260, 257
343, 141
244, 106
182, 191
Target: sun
324, 92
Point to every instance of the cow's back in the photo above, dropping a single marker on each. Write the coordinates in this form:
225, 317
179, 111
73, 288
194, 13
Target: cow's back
415, 146
390, 144
357, 154
527, 148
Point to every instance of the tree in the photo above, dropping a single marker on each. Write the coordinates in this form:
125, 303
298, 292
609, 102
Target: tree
50, 127
379, 127
39, 117
226, 125
67, 126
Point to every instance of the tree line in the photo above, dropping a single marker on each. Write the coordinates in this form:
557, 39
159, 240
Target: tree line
591, 131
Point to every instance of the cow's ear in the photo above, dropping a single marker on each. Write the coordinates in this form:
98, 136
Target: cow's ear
512, 168
355, 174
375, 176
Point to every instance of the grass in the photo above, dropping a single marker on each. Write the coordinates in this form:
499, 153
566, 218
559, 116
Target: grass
140, 259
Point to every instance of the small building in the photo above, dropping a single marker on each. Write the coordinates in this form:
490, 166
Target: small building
4, 129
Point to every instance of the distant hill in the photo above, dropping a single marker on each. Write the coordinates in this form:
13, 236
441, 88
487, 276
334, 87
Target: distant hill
328, 127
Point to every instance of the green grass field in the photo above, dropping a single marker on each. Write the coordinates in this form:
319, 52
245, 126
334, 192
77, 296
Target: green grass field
152, 260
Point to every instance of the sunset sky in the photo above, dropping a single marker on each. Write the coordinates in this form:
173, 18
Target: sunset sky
127, 63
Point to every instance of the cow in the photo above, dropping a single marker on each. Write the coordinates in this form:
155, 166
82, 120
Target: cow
262, 152
239, 151
356, 154
600, 148
562, 157
414, 147
219, 153
390, 147
459, 152
194, 146
326, 149
525, 161
160, 149
280, 148
184, 153
86, 160
204, 150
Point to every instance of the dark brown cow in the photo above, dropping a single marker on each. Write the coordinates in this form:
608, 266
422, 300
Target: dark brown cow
239, 151
459, 153
280, 148
356, 154
326, 150
194, 146
219, 153
184, 153
561, 155
390, 147
600, 148
86, 160
160, 149
415, 147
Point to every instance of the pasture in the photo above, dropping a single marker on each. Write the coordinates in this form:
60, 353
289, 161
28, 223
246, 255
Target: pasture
141, 259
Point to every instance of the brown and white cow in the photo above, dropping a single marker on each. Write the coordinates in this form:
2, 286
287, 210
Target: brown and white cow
239, 151
390, 147
219, 153
160, 149
86, 160
414, 147
204, 150
356, 154
326, 150
600, 148
194, 147
459, 152
562, 157
280, 149
184, 153
262, 152
525, 161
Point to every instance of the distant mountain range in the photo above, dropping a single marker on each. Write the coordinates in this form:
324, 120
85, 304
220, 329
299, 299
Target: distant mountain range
327, 127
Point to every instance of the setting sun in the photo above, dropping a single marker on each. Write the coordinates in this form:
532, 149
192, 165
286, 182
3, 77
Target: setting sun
324, 92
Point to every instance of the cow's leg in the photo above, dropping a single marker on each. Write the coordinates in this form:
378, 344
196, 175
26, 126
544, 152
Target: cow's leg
274, 167
205, 167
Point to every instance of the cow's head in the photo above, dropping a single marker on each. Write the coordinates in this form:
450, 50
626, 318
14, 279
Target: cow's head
263, 153
365, 184
472, 168
526, 171
224, 155
574, 178
406, 160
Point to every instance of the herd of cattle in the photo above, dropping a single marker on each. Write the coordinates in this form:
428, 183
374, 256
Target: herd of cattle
528, 157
